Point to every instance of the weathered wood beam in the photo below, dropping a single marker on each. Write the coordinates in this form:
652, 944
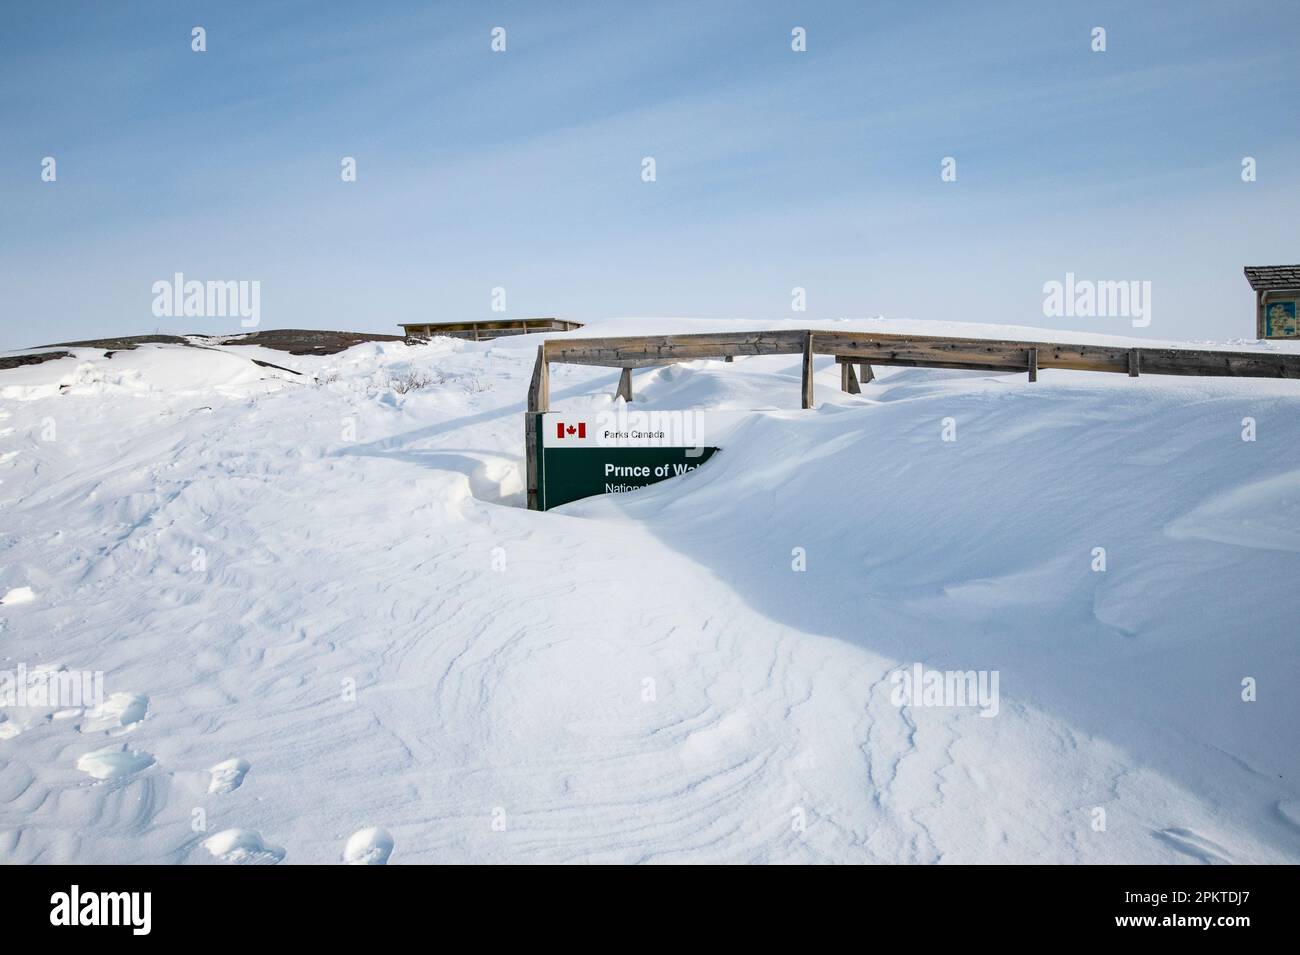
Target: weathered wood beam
531, 454
539, 388
539, 402
1134, 362
936, 363
920, 351
643, 363
808, 370
866, 373
849, 379
625, 385
1010, 355
665, 349
939, 352
1033, 364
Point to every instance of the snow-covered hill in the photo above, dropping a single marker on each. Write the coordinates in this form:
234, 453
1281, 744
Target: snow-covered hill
327, 626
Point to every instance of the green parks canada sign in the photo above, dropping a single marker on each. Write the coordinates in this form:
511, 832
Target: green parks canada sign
610, 452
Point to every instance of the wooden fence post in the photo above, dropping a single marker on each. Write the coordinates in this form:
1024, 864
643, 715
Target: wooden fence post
1033, 364
625, 385
867, 373
1134, 362
808, 371
531, 453
539, 402
848, 377
539, 388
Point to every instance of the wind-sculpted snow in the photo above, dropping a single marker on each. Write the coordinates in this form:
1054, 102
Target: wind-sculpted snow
329, 632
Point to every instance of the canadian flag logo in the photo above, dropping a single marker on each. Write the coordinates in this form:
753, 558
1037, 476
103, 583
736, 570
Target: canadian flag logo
562, 429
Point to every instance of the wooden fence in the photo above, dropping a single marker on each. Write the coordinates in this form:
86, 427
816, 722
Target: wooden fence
865, 349
487, 329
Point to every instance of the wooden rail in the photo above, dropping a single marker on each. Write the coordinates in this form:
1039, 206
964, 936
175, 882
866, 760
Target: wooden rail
865, 349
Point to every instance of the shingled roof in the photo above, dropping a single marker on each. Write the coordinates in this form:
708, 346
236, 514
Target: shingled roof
1262, 278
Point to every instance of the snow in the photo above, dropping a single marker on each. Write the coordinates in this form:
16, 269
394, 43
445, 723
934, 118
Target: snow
327, 622
120, 713
242, 847
19, 595
113, 762
368, 847
228, 775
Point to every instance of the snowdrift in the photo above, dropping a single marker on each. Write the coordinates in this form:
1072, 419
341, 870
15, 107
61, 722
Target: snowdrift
330, 632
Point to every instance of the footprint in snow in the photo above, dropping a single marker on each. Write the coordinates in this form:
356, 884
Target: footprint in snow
227, 776
1195, 845
114, 762
242, 847
19, 595
116, 715
368, 847
8, 728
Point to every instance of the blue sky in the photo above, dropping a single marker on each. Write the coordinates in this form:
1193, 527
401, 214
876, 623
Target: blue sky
522, 169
